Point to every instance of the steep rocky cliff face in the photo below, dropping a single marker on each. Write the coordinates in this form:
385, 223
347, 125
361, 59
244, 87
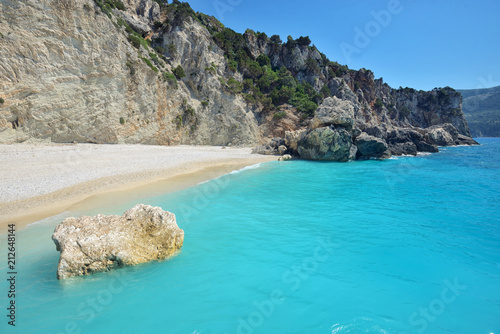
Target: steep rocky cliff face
72, 73
141, 71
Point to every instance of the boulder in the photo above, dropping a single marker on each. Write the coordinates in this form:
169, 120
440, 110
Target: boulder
464, 140
334, 111
376, 131
286, 157
292, 139
408, 148
328, 144
404, 135
265, 150
102, 243
371, 147
275, 146
425, 147
438, 136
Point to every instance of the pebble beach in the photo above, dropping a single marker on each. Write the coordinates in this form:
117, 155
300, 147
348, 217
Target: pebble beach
39, 180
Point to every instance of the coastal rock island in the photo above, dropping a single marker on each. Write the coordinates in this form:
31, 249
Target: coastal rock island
102, 243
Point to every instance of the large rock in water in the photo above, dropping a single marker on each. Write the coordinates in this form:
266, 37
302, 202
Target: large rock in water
102, 243
371, 147
441, 136
328, 144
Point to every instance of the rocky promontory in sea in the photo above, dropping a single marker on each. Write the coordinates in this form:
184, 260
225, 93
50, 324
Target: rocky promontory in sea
102, 243
149, 72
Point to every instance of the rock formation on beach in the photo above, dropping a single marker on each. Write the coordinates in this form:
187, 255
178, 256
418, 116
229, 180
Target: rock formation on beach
148, 72
102, 243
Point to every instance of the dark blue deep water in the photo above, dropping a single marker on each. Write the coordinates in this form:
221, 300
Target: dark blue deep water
406, 245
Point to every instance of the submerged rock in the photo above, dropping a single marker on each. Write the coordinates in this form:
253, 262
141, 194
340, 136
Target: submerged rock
102, 243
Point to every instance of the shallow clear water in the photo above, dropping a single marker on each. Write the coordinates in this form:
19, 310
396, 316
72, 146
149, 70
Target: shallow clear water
407, 245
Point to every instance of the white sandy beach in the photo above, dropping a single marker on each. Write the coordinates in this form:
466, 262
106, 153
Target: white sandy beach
39, 180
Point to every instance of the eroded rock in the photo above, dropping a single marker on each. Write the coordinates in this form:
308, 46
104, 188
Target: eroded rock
329, 144
371, 147
438, 136
101, 243
334, 111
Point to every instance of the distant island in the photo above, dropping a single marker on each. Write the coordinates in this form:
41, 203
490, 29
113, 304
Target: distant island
482, 111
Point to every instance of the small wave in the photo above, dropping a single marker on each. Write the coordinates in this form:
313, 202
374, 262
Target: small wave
419, 154
365, 325
246, 168
237, 171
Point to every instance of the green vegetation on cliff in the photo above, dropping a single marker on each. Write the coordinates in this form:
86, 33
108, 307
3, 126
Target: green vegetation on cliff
482, 111
265, 84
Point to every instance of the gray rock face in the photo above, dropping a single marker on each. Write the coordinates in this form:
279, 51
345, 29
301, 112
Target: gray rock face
71, 75
334, 111
437, 135
464, 140
137, 23
407, 148
275, 146
102, 243
282, 149
426, 147
371, 147
292, 139
328, 144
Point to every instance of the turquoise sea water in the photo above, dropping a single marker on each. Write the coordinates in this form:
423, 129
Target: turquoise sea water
407, 245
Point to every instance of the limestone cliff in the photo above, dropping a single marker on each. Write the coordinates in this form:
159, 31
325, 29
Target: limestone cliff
142, 71
70, 72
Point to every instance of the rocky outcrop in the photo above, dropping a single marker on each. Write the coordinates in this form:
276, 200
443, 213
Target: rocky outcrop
334, 111
292, 139
371, 147
327, 144
73, 74
275, 146
102, 243
438, 136
151, 73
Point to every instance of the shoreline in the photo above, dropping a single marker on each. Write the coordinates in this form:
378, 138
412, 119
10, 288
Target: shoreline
192, 165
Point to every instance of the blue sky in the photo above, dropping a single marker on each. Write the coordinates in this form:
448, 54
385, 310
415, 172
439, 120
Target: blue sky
410, 43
